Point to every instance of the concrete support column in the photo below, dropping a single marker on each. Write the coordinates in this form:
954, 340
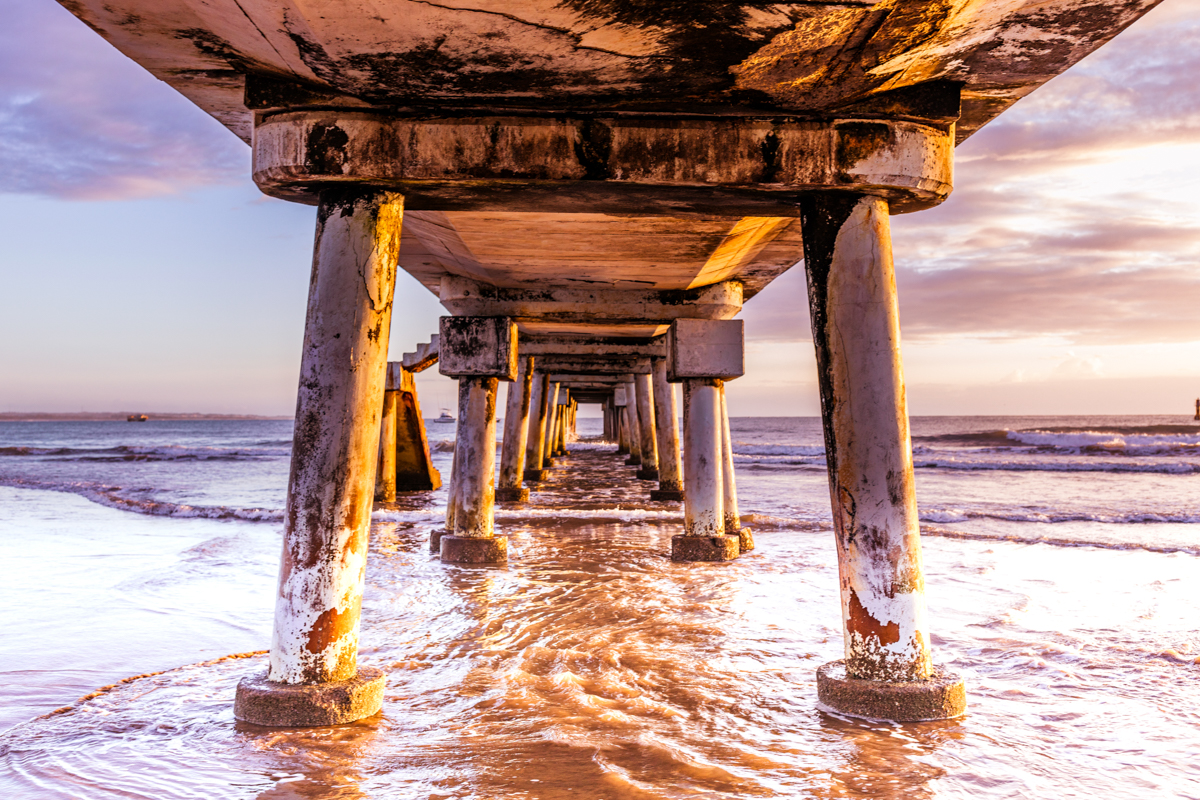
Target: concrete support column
516, 436
633, 426
414, 465
644, 393
539, 410
479, 351
666, 428
733, 520
551, 442
385, 472
887, 672
704, 537
313, 678
619, 418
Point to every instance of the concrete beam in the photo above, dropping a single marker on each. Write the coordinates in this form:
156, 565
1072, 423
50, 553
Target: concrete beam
596, 346
566, 365
424, 357
464, 297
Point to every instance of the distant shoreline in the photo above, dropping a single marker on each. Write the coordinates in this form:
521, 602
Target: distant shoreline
122, 416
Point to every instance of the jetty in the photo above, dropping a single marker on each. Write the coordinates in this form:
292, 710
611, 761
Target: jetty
593, 190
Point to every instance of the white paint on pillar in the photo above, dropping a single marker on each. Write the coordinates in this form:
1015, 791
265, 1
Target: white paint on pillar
867, 432
475, 452
703, 490
644, 388
336, 438
666, 428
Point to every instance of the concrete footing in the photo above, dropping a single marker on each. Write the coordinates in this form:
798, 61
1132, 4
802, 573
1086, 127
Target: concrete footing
675, 495
435, 539
647, 474
512, 495
536, 475
942, 696
474, 550
633, 461
745, 539
308, 705
705, 548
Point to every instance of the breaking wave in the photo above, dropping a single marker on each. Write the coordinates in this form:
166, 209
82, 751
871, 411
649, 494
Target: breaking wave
167, 452
139, 501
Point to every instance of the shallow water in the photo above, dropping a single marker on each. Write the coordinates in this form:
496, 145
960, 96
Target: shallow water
590, 665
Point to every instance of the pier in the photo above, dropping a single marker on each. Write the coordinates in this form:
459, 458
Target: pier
593, 191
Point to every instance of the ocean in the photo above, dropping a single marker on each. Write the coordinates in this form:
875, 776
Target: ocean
1062, 559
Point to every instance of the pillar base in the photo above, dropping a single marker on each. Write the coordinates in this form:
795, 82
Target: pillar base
667, 494
309, 705
474, 550
633, 461
622, 451
536, 475
941, 697
517, 495
648, 474
746, 538
435, 539
705, 548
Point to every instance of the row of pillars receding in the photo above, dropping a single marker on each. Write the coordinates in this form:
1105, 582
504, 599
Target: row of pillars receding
641, 412
314, 677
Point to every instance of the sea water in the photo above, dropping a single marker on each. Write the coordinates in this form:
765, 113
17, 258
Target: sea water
1062, 558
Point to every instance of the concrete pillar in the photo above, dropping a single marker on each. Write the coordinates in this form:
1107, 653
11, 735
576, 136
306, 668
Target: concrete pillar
887, 672
385, 472
313, 678
633, 426
704, 537
644, 392
666, 428
733, 520
550, 444
622, 431
414, 465
516, 436
479, 351
539, 409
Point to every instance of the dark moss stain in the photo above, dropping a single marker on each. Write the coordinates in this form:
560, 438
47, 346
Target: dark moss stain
325, 150
860, 140
822, 216
214, 46
770, 157
593, 149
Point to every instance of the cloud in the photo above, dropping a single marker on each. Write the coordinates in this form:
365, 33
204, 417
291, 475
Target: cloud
79, 120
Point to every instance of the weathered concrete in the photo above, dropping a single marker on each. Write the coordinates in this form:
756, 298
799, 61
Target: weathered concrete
261, 701
336, 444
856, 331
414, 464
704, 537
699, 348
941, 696
648, 445
733, 519
539, 410
475, 465
550, 446
666, 418
424, 357
385, 472
633, 425
516, 436
478, 347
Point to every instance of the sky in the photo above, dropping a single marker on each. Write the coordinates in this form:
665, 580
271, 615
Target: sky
140, 269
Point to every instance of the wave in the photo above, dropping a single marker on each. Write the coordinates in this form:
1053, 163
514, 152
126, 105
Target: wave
744, 449
1118, 518
1058, 541
166, 452
1148, 440
137, 501
1161, 467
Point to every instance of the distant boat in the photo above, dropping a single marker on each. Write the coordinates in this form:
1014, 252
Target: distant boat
445, 417
136, 418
